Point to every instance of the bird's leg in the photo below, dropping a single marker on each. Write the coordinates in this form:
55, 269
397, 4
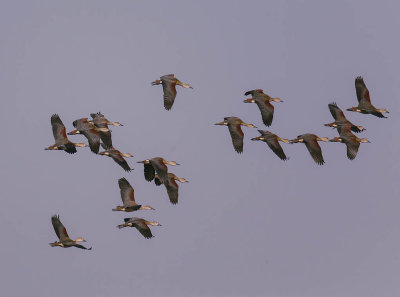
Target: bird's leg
248, 125
250, 100
284, 140
186, 86
322, 139
277, 99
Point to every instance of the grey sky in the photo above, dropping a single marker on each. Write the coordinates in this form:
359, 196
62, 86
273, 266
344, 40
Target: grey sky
245, 225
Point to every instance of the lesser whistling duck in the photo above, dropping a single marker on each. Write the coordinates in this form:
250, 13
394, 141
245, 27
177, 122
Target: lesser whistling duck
236, 132
90, 131
364, 101
128, 198
273, 142
156, 164
141, 225
169, 83
311, 142
117, 156
340, 120
263, 102
351, 141
101, 122
64, 240
60, 136
171, 185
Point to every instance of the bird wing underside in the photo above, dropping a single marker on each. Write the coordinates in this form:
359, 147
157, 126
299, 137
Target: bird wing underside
237, 137
362, 90
127, 191
121, 161
267, 111
336, 112
143, 229
149, 172
172, 190
160, 168
59, 132
276, 147
315, 151
169, 90
59, 228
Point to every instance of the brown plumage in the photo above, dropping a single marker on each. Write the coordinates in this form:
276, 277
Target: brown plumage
64, 240
171, 186
141, 225
60, 136
311, 142
236, 132
157, 164
128, 198
340, 120
89, 130
272, 140
117, 156
364, 101
101, 122
263, 102
351, 141
169, 83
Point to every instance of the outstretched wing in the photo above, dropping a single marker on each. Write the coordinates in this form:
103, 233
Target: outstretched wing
275, 146
352, 146
237, 137
253, 92
172, 189
160, 168
315, 151
336, 112
141, 226
169, 89
361, 90
59, 132
149, 172
267, 111
127, 191
59, 228
121, 161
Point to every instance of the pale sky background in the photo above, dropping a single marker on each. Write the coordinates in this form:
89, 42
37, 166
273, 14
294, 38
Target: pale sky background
245, 225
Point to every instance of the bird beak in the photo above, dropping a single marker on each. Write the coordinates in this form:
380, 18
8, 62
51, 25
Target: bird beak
248, 101
74, 132
156, 82
221, 123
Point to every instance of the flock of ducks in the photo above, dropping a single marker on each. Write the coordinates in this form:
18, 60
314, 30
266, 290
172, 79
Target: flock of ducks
98, 134
155, 169
343, 126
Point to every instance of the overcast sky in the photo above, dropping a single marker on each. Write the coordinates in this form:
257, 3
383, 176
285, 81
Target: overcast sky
245, 225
